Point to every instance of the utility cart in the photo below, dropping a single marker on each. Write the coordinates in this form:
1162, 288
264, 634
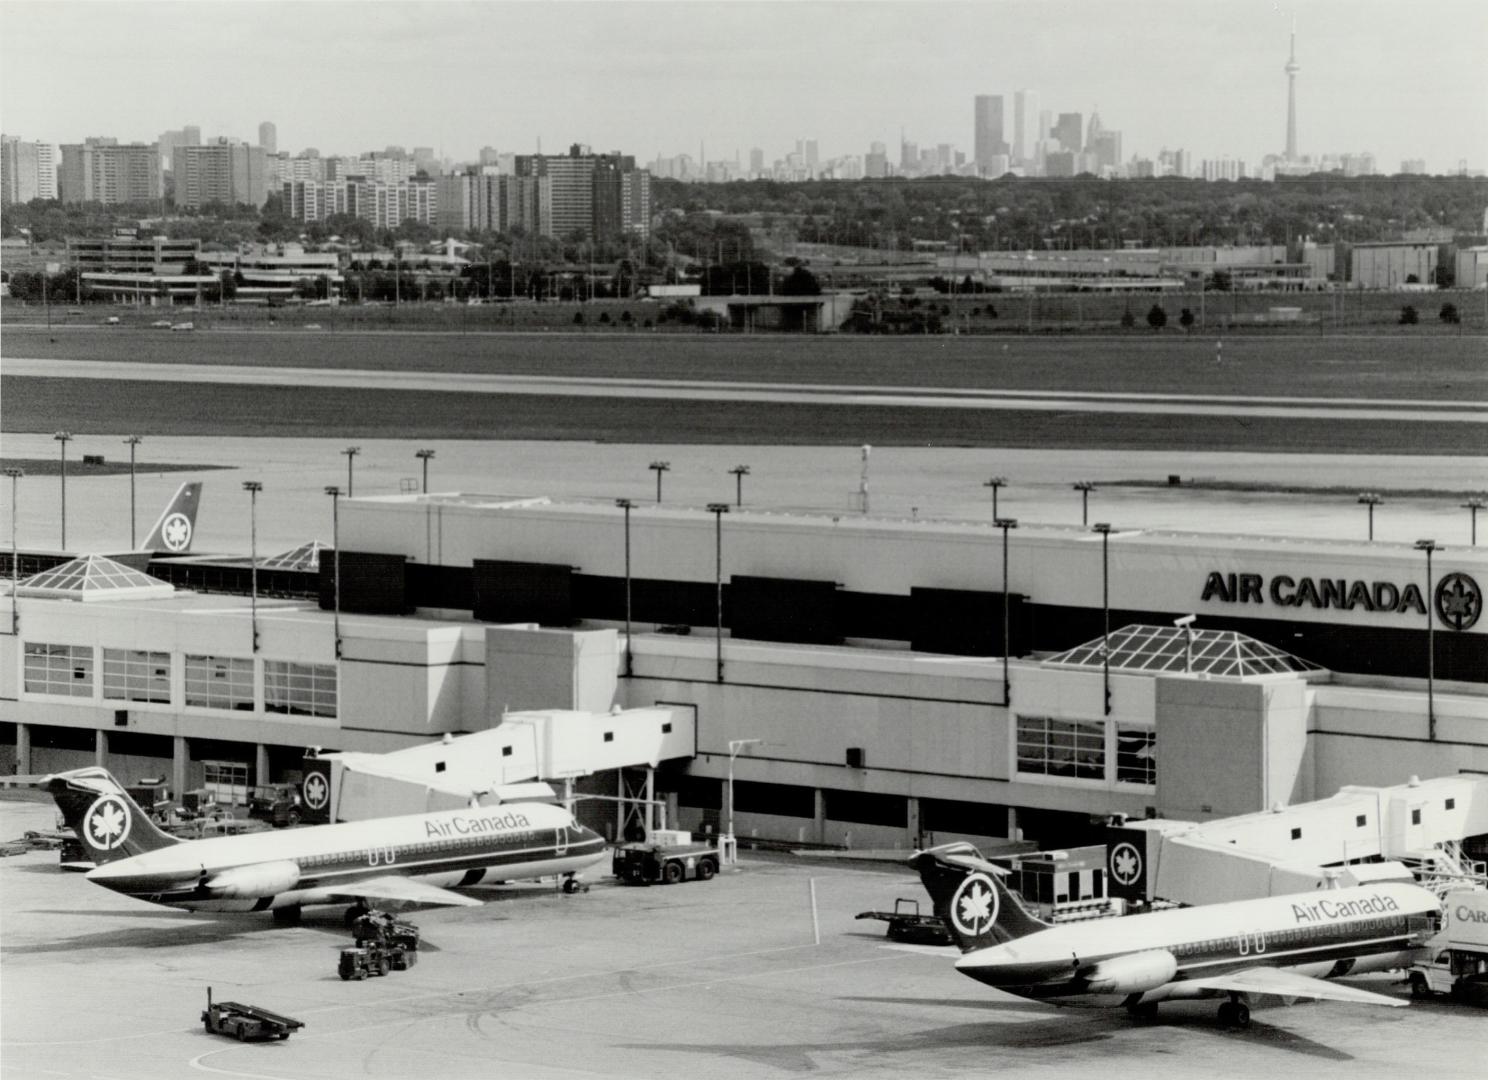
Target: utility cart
906, 924
246, 1023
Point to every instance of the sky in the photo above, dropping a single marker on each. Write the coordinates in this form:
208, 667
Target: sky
1400, 79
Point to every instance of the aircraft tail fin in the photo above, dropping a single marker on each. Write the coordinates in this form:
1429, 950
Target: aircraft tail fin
176, 527
108, 823
969, 894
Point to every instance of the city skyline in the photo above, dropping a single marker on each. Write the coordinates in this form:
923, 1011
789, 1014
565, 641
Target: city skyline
656, 78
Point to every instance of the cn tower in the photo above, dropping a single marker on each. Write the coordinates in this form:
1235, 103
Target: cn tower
1292, 67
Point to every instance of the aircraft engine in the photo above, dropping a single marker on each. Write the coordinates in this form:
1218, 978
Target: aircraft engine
1133, 974
251, 882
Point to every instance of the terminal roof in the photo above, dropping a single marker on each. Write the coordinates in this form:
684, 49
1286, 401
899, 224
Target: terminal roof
1159, 649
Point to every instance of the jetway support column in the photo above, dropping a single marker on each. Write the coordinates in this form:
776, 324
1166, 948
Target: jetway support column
100, 749
180, 757
912, 821
820, 814
261, 764
651, 825
23, 749
1012, 823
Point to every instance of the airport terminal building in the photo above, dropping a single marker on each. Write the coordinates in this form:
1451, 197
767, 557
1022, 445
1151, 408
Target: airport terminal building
877, 682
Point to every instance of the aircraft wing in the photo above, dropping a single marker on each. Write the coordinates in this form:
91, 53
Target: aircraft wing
409, 890
1269, 980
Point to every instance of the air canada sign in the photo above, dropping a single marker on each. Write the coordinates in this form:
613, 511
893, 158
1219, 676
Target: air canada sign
1458, 599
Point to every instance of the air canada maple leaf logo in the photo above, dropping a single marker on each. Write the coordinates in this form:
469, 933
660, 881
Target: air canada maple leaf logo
107, 823
317, 791
1459, 601
1126, 863
176, 532
974, 907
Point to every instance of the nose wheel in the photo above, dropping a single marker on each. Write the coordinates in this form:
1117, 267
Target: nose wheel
1234, 1014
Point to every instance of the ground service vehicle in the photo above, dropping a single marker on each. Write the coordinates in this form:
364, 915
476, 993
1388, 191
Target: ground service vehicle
667, 857
374, 958
907, 925
1459, 954
246, 1023
384, 929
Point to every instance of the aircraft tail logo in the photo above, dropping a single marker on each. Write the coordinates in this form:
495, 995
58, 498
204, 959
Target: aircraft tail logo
176, 527
968, 893
108, 823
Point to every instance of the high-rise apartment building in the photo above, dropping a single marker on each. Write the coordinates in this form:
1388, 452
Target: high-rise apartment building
1026, 128
586, 194
28, 170
1069, 130
223, 171
268, 137
384, 206
488, 156
988, 132
169, 141
102, 170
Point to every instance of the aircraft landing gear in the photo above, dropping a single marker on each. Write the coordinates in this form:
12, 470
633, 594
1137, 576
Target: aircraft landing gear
288, 916
1234, 1014
1144, 1011
573, 885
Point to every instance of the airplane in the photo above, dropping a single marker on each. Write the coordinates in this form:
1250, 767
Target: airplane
409, 859
1281, 945
176, 526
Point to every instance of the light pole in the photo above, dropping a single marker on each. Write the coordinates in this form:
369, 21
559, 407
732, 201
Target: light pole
1105, 534
1186, 624
1370, 499
995, 483
1084, 487
132, 441
351, 452
735, 745
15, 554
1006, 525
1472, 506
424, 456
253, 487
626, 504
739, 472
718, 510
335, 493
63, 437
659, 467
1428, 546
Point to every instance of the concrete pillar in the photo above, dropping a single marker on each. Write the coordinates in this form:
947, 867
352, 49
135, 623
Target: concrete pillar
100, 749
180, 757
261, 764
1012, 824
651, 825
23, 749
912, 821
820, 813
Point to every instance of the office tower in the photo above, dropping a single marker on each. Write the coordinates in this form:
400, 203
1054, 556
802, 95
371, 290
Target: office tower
28, 170
876, 163
811, 156
1070, 132
988, 136
1291, 69
169, 141
489, 156
909, 157
1026, 129
101, 170
1102, 146
223, 171
756, 162
424, 161
268, 137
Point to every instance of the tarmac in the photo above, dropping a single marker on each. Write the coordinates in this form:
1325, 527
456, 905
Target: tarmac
738, 977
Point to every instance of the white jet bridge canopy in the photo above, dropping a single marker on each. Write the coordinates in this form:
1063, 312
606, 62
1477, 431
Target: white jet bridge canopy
94, 577
1136, 649
304, 557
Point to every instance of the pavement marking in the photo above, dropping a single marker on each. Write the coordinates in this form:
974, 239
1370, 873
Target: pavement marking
198, 1063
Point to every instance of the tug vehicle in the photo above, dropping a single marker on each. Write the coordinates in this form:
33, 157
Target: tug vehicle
667, 856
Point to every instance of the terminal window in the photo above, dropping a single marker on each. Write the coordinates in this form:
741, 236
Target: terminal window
136, 675
1136, 755
219, 682
59, 669
301, 689
1068, 748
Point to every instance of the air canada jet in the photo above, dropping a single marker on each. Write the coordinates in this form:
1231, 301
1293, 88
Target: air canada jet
1281, 945
176, 527
410, 859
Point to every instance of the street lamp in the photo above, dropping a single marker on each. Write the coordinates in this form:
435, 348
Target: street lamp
1370, 499
351, 452
1084, 487
735, 745
626, 504
63, 437
659, 467
739, 472
1005, 524
253, 487
15, 554
718, 510
1428, 546
132, 441
1472, 506
1105, 534
1186, 624
424, 456
995, 483
335, 493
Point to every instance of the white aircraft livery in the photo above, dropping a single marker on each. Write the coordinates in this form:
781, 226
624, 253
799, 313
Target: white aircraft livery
409, 859
1281, 945
176, 527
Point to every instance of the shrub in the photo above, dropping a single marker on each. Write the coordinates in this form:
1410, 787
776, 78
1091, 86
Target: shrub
604, 316
1186, 318
1449, 315
578, 318
1408, 316
1157, 318
1128, 320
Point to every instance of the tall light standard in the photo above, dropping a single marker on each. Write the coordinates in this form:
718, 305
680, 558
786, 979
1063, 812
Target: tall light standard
626, 504
718, 510
659, 467
1370, 499
335, 493
63, 437
351, 452
995, 483
132, 441
253, 487
1472, 506
1006, 524
1186, 625
15, 554
735, 745
1084, 487
1428, 546
424, 456
1104, 529
739, 472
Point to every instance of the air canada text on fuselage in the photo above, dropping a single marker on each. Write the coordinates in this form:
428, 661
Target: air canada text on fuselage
486, 823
